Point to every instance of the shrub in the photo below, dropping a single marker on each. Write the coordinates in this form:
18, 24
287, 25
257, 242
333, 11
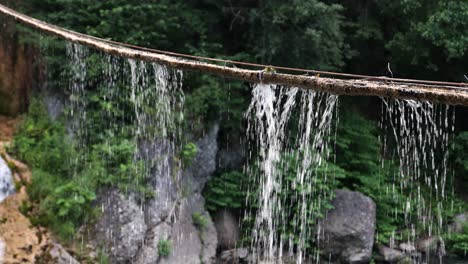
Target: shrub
199, 220
225, 191
164, 247
188, 153
458, 243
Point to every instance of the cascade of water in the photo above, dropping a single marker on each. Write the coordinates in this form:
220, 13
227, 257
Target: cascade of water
269, 114
157, 97
421, 132
7, 187
77, 55
315, 128
155, 93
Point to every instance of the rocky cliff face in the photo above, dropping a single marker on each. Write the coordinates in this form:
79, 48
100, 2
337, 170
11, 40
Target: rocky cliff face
19, 71
133, 233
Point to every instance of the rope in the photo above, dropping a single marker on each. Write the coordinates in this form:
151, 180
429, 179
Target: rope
263, 66
442, 92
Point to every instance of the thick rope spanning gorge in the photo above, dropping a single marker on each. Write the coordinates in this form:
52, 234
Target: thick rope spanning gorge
456, 94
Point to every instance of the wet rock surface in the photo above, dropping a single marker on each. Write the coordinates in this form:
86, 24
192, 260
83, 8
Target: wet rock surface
390, 255
122, 227
60, 255
133, 231
238, 255
349, 228
227, 227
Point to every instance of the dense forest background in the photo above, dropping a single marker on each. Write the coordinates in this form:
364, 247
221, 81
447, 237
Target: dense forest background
418, 39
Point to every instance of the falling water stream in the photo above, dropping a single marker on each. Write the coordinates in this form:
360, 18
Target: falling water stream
7, 187
421, 133
145, 98
269, 116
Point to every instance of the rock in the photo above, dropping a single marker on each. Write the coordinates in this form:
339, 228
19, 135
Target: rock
458, 222
432, 244
209, 238
227, 227
234, 255
231, 157
349, 228
60, 255
390, 255
7, 186
149, 252
407, 247
204, 163
121, 227
192, 244
162, 181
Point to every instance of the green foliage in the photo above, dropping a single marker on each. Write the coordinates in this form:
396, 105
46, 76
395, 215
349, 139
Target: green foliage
189, 152
458, 243
227, 190
199, 220
65, 179
460, 157
428, 38
275, 25
164, 247
102, 257
42, 143
72, 201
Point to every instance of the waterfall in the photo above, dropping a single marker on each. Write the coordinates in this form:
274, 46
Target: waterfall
269, 116
158, 99
7, 186
421, 133
155, 94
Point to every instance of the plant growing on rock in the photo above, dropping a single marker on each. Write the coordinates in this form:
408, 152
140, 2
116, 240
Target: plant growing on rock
199, 220
188, 154
164, 247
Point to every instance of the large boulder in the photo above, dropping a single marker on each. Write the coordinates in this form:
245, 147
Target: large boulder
6, 180
121, 228
227, 226
349, 228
